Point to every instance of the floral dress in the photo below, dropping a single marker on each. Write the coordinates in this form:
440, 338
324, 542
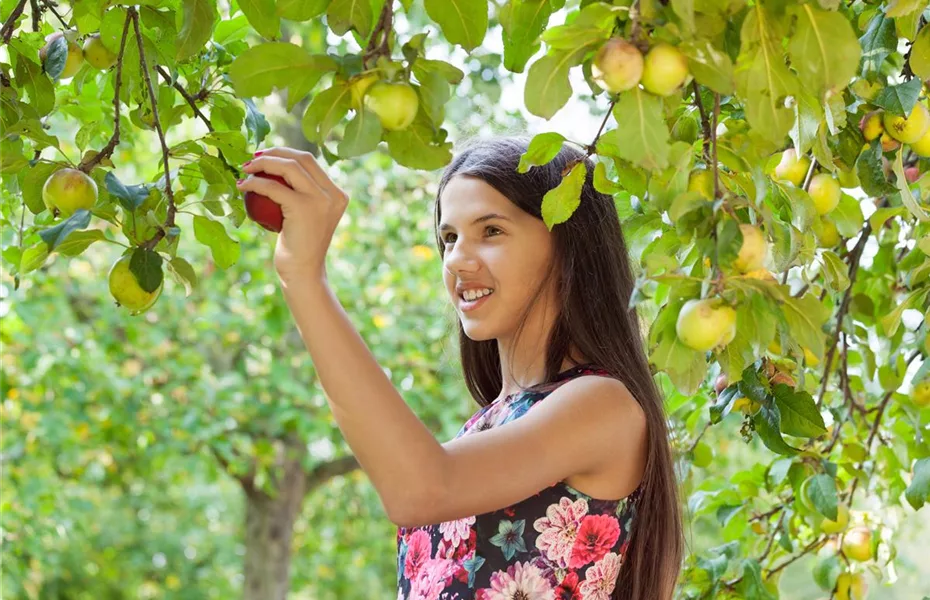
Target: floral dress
556, 545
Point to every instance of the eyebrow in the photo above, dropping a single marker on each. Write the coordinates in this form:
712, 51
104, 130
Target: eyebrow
480, 219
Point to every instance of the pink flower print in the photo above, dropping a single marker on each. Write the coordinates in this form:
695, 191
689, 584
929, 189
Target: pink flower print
568, 589
601, 579
432, 579
456, 531
596, 537
522, 581
559, 528
419, 546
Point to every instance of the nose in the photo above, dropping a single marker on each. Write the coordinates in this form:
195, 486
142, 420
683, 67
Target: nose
459, 259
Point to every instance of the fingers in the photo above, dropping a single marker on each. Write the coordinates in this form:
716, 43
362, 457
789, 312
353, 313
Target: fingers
278, 192
310, 165
291, 170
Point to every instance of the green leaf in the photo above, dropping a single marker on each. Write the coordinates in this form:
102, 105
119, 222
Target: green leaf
710, 66
130, 197
766, 422
434, 93
641, 136
847, 216
522, 22
799, 414
327, 108
762, 77
56, 57
869, 168
146, 266
35, 179
560, 202
541, 149
343, 15
878, 41
892, 320
54, 236
211, 233
603, 183
920, 54
824, 49
362, 134
877, 219
415, 147
262, 68
918, 492
907, 197
822, 491
751, 584
835, 272
196, 22
463, 22
301, 10
263, 17
547, 85
805, 317
183, 273
899, 99
33, 258
78, 241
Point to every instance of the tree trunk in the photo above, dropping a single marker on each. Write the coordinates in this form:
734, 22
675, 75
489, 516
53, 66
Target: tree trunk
269, 527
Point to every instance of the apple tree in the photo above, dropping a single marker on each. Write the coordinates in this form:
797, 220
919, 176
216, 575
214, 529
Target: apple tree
768, 161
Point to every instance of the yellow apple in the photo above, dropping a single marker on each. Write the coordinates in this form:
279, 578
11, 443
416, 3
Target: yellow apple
910, 129
889, 143
359, 86
848, 178
617, 66
75, 54
920, 395
871, 125
753, 250
69, 190
125, 288
97, 55
922, 146
829, 236
665, 69
851, 586
705, 323
857, 544
702, 182
842, 521
825, 192
792, 168
746, 406
395, 104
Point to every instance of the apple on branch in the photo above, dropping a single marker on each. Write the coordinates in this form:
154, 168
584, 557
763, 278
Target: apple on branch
825, 192
75, 54
97, 55
617, 66
706, 323
69, 190
126, 290
792, 168
908, 129
665, 69
395, 104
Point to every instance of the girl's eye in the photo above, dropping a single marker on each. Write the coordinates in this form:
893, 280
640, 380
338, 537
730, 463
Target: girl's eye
446, 239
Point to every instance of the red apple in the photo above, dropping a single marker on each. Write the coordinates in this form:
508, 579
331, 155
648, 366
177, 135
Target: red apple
262, 209
912, 174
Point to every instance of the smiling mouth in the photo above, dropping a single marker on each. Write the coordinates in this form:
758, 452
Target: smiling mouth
467, 305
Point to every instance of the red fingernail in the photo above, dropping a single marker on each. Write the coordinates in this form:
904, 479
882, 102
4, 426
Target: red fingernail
246, 163
259, 152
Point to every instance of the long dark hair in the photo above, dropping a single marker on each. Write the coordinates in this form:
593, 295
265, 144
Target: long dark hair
594, 281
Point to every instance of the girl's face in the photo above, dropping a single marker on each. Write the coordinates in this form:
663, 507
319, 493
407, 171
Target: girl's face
508, 253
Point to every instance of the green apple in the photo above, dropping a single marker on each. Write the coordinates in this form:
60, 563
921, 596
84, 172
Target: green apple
825, 192
702, 182
703, 455
851, 586
842, 521
753, 250
68, 190
910, 129
705, 323
125, 288
922, 146
665, 69
792, 168
617, 66
829, 236
857, 544
359, 85
395, 104
97, 55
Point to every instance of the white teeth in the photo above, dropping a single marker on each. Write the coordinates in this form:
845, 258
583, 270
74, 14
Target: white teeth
475, 294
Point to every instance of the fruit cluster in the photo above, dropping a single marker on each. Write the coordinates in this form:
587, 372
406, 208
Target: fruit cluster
620, 66
893, 130
93, 52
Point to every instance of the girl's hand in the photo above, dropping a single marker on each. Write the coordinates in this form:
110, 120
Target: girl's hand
312, 209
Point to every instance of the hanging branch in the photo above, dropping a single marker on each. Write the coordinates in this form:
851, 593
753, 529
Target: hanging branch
107, 150
378, 43
6, 32
705, 122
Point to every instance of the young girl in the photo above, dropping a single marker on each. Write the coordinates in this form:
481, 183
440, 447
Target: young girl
561, 485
